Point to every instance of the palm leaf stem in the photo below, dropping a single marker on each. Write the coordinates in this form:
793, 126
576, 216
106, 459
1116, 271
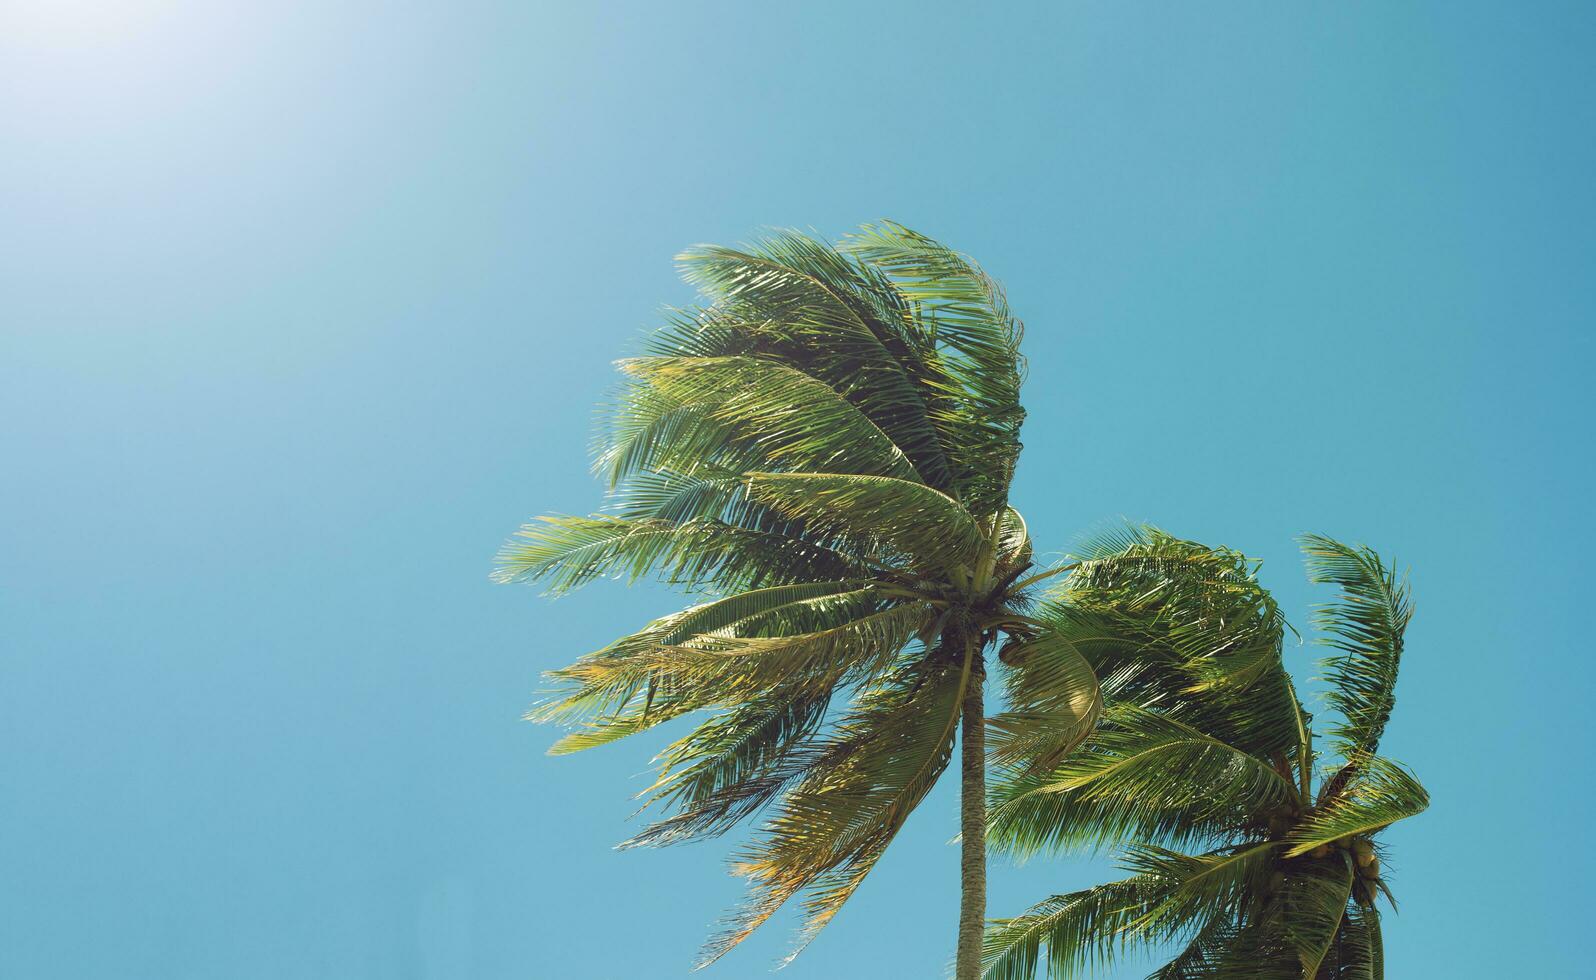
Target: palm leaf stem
1024, 584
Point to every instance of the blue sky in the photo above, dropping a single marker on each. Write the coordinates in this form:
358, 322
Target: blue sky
304, 307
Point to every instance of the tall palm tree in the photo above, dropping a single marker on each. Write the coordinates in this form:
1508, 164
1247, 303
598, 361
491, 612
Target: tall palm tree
1204, 769
823, 449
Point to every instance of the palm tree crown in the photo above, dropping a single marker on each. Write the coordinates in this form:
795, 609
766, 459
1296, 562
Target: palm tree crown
824, 451
1203, 769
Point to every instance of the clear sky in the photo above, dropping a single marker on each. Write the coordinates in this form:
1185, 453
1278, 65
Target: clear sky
305, 306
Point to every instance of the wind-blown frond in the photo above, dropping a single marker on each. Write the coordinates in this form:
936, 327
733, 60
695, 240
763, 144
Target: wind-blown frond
886, 518
1142, 776
645, 430
1381, 794
1210, 954
1360, 951
1182, 626
1312, 904
1170, 895
709, 494
1081, 931
969, 317
737, 666
733, 765
835, 822
1197, 889
837, 319
569, 552
719, 670
1366, 625
778, 610
796, 421
1054, 701
1015, 550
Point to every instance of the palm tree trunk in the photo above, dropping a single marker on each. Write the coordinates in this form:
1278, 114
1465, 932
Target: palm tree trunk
972, 826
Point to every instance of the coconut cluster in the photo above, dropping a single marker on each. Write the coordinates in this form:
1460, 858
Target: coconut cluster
1365, 859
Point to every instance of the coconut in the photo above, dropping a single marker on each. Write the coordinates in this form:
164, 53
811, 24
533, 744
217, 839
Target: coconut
1363, 852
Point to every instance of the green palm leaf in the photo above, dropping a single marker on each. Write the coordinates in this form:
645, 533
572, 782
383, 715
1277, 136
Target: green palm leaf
568, 552
834, 823
1366, 625
1361, 949
837, 319
796, 421
1247, 948
1313, 905
1080, 931
604, 680
1053, 704
1197, 889
889, 519
1014, 543
1143, 776
1381, 794
1183, 625
711, 670
982, 364
733, 765
1202, 955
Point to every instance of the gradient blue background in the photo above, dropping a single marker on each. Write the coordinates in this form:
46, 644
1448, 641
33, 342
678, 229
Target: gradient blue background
304, 307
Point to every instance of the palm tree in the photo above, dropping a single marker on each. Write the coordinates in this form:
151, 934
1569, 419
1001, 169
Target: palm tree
1204, 769
823, 451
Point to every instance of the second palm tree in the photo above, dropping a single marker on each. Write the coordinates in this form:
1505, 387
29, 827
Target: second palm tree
1204, 770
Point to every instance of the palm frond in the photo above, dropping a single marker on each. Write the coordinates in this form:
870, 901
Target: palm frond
1202, 955
644, 429
732, 766
708, 494
1054, 701
1169, 895
1197, 889
1015, 550
1080, 931
1248, 946
837, 319
1360, 949
569, 552
891, 520
719, 670
1141, 776
864, 780
1366, 625
1381, 794
778, 610
1179, 624
796, 421
741, 665
968, 315
1312, 904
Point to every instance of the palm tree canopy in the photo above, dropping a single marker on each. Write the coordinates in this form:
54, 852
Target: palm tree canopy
1203, 771
822, 451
